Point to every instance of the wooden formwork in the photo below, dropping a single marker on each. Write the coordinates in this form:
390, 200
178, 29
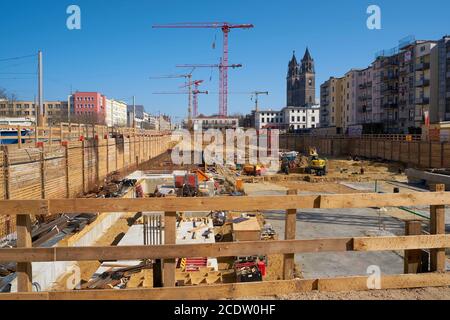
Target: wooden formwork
69, 169
436, 241
422, 154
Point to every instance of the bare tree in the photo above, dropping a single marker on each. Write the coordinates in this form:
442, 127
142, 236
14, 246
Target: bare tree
3, 94
7, 96
88, 119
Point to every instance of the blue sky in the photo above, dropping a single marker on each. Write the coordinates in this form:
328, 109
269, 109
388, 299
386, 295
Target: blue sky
117, 50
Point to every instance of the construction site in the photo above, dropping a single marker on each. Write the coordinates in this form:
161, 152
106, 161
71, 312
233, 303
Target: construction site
107, 215
94, 211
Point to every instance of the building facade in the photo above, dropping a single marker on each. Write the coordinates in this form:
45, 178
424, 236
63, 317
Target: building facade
135, 114
402, 90
220, 123
289, 118
89, 107
55, 111
331, 101
442, 55
116, 113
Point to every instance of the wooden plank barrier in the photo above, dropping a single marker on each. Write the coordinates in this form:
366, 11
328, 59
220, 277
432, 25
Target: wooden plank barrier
24, 255
68, 161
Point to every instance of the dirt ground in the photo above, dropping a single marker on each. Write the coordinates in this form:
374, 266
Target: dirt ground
404, 294
317, 187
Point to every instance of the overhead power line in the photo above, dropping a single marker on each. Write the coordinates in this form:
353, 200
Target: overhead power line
18, 58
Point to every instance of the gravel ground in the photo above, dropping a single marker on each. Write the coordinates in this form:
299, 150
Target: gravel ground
403, 294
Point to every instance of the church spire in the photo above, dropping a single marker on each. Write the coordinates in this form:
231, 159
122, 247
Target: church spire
307, 63
293, 62
307, 56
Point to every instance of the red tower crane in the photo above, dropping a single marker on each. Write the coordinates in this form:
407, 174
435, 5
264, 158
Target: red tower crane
226, 28
223, 108
188, 78
195, 92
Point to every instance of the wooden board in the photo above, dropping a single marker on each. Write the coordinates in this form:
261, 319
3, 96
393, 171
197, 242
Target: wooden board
223, 249
242, 290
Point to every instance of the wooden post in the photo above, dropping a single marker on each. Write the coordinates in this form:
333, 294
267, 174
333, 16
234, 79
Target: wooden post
83, 165
19, 136
170, 237
117, 152
24, 269
42, 169
61, 133
66, 154
412, 258
36, 135
107, 156
6, 172
289, 234
437, 226
50, 136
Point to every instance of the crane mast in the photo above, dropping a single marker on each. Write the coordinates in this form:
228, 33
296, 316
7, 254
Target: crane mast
223, 66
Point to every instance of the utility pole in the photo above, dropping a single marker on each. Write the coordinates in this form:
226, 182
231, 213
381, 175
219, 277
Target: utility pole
41, 115
134, 112
68, 108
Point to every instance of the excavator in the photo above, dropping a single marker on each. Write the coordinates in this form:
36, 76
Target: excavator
316, 164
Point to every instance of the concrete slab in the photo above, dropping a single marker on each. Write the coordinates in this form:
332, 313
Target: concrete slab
321, 223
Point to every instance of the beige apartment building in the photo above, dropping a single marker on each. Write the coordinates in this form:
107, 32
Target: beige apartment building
55, 111
403, 90
331, 102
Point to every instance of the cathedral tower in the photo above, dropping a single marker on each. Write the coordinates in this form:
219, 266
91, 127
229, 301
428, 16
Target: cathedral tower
301, 82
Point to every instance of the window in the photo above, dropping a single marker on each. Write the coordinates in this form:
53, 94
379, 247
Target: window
298, 119
304, 119
292, 119
313, 119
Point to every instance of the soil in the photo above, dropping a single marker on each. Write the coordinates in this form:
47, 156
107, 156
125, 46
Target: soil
317, 187
402, 294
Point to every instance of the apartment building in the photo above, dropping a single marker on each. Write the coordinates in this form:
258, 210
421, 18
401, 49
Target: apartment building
350, 91
55, 111
442, 54
331, 101
135, 114
213, 122
364, 114
115, 113
403, 89
269, 118
88, 107
289, 118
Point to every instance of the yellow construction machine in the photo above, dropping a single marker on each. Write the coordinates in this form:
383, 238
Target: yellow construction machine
316, 164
